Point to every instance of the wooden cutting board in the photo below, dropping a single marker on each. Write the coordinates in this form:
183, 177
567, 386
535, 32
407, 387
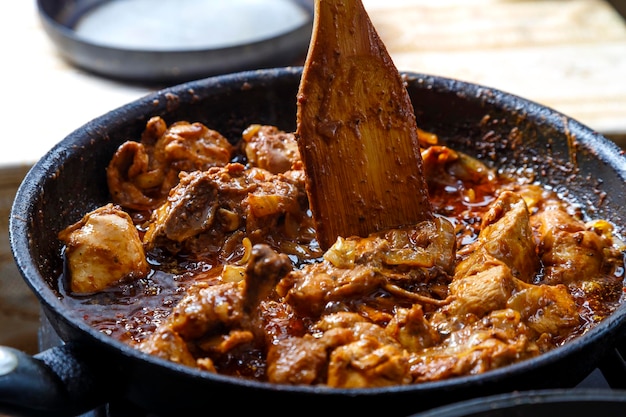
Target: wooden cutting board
566, 54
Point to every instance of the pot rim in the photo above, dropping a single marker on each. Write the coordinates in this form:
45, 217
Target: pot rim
531, 398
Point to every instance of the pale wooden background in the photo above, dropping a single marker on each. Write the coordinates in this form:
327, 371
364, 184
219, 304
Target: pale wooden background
567, 54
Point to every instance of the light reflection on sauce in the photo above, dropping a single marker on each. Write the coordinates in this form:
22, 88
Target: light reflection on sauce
131, 311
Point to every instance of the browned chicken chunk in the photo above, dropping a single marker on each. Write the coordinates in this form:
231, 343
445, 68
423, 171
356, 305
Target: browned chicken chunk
102, 249
569, 251
270, 148
141, 174
216, 209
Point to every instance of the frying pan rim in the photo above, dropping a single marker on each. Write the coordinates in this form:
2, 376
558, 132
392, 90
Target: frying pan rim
36, 176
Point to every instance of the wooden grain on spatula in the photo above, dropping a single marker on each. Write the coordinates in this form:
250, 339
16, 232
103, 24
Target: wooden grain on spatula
356, 130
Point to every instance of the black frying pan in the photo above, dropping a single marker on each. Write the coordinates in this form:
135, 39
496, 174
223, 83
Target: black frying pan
69, 181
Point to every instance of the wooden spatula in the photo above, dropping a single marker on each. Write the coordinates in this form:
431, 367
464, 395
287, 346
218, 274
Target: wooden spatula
356, 130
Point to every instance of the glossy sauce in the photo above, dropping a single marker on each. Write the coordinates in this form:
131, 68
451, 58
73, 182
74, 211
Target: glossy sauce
131, 311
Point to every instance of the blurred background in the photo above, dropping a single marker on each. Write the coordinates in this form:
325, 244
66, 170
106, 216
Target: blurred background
567, 54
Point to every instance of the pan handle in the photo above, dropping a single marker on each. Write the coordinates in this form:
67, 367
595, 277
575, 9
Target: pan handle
58, 382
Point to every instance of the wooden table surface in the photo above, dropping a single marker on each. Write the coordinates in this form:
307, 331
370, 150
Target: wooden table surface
567, 54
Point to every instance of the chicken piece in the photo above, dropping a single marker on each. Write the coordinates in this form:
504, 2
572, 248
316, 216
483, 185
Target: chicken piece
191, 208
350, 352
431, 244
547, 309
141, 174
102, 249
309, 291
217, 319
569, 251
411, 329
486, 290
505, 235
206, 309
368, 363
207, 208
504, 252
132, 182
363, 353
168, 345
269, 148
484, 281
397, 261
304, 359
498, 339
189, 147
263, 271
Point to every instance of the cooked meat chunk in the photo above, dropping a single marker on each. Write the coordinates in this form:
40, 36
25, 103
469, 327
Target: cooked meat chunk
271, 149
547, 309
505, 235
188, 146
398, 261
484, 281
568, 250
412, 330
368, 362
298, 361
348, 354
363, 354
498, 339
101, 249
141, 174
206, 309
264, 269
191, 209
222, 317
309, 291
504, 252
167, 344
133, 183
235, 281
486, 290
217, 208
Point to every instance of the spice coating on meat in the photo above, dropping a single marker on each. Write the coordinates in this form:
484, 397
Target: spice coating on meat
505, 271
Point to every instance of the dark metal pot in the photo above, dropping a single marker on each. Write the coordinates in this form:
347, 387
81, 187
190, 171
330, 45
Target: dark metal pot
542, 403
92, 368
